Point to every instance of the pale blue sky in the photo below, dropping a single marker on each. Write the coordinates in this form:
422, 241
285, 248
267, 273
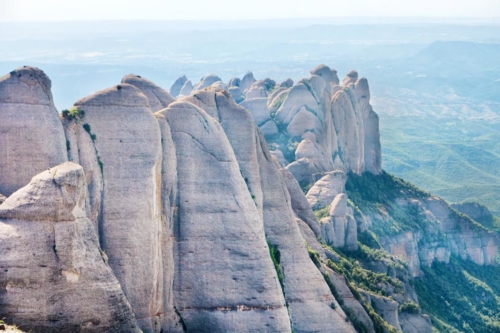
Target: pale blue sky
57, 10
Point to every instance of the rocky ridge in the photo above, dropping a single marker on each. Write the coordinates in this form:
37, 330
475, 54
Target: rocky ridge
228, 209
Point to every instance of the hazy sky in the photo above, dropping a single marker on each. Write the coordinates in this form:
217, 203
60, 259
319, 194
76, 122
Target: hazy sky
57, 10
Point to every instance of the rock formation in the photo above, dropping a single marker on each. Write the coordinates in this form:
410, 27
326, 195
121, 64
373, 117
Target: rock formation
191, 214
53, 275
157, 97
127, 141
31, 135
176, 87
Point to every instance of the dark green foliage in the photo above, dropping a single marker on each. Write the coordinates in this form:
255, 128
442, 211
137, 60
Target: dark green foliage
86, 127
457, 159
334, 291
379, 324
314, 255
379, 189
323, 212
73, 113
461, 295
369, 239
68, 145
305, 187
409, 307
101, 165
276, 257
184, 327
377, 194
365, 279
278, 101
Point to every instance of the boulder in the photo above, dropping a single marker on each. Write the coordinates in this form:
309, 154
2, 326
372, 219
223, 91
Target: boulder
31, 134
54, 274
326, 189
158, 97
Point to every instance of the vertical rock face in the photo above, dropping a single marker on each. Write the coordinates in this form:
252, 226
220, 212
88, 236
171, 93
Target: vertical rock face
53, 277
127, 140
31, 134
224, 279
158, 98
348, 128
170, 321
372, 149
305, 289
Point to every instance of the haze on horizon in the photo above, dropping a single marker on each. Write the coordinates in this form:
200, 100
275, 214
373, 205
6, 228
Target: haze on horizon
63, 10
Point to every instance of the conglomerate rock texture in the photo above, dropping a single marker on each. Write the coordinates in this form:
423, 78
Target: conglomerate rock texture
216, 212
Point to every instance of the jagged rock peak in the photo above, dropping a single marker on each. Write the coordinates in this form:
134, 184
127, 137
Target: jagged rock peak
175, 90
124, 94
26, 85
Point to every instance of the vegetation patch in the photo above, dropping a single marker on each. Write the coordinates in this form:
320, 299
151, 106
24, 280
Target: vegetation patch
460, 296
322, 213
73, 113
409, 307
